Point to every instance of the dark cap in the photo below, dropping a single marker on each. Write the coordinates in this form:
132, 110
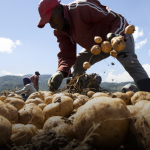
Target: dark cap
37, 73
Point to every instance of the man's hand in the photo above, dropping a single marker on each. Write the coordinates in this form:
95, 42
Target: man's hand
55, 81
109, 36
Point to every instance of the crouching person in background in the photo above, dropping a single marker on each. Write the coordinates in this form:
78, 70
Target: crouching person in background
129, 87
27, 90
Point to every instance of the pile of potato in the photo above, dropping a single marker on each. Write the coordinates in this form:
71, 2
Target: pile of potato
106, 118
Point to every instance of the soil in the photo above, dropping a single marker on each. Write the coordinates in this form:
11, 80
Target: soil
51, 141
45, 141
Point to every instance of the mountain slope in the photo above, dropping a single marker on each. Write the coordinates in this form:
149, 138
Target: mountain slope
9, 82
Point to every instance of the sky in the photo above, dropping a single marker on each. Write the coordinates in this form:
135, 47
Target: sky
24, 48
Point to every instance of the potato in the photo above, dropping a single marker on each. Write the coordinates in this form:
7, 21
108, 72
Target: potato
62, 106
122, 96
48, 100
109, 115
42, 106
43, 93
33, 129
138, 96
81, 100
30, 104
140, 124
60, 125
4, 111
15, 96
48, 93
5, 130
36, 95
113, 53
86, 65
96, 49
31, 115
106, 47
130, 93
130, 29
20, 134
100, 94
97, 39
90, 94
2, 98
16, 102
118, 43
76, 94
13, 111
36, 101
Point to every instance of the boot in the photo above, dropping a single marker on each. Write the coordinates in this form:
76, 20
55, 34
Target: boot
144, 85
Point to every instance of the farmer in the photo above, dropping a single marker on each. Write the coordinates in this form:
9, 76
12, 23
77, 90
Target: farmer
27, 90
35, 80
78, 23
129, 87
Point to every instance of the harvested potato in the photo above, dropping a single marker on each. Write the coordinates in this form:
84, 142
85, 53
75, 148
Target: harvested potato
60, 125
122, 96
42, 106
36, 101
113, 53
138, 96
36, 95
48, 99
5, 130
97, 39
16, 102
13, 111
34, 130
100, 94
2, 98
90, 94
109, 116
31, 115
86, 65
62, 106
20, 134
140, 124
48, 93
106, 47
96, 49
4, 111
130, 29
118, 43
15, 96
81, 100
76, 94
130, 93
30, 104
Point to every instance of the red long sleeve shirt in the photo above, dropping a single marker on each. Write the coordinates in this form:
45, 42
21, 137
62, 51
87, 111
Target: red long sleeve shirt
87, 18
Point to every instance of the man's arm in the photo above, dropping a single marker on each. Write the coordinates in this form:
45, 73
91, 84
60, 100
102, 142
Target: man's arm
67, 54
25, 89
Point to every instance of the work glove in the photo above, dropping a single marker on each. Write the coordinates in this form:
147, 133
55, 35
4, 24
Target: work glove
55, 81
109, 36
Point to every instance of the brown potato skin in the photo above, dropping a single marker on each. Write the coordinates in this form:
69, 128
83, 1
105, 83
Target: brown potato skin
104, 111
6, 130
138, 96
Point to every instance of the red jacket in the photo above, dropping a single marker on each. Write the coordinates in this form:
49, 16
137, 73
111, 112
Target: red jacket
87, 18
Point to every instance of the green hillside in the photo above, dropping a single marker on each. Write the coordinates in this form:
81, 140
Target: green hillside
9, 82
